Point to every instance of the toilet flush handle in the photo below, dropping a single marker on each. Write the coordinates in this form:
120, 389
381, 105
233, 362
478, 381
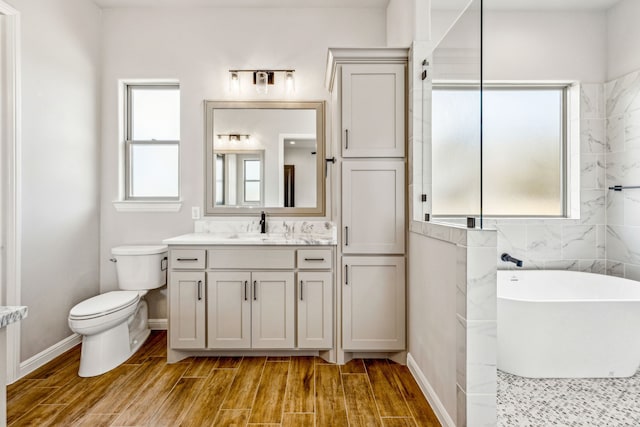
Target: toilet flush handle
113, 260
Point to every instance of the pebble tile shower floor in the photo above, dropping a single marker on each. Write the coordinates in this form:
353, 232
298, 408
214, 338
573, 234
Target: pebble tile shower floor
568, 402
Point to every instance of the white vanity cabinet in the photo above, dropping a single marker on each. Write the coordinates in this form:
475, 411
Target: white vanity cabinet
373, 303
373, 207
250, 310
187, 309
251, 297
373, 105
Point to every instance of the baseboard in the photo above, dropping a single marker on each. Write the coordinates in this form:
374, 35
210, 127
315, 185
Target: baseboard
428, 391
158, 324
47, 355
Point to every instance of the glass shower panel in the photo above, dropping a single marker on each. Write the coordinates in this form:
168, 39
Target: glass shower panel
452, 167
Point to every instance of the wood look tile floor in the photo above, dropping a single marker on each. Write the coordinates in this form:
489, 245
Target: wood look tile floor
225, 391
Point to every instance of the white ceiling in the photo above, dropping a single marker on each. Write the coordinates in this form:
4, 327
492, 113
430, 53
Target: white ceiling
243, 3
528, 4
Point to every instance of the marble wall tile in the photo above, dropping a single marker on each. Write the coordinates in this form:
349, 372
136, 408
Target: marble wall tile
632, 130
579, 242
615, 208
622, 95
592, 207
623, 244
481, 375
461, 281
544, 242
615, 268
482, 238
632, 271
481, 283
592, 171
615, 134
631, 206
481, 410
598, 266
461, 352
461, 407
601, 236
569, 264
592, 101
592, 136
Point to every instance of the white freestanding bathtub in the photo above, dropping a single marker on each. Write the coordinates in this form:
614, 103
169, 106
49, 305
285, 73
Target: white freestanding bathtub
565, 324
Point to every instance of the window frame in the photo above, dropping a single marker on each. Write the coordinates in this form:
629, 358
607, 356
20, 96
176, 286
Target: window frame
129, 142
565, 160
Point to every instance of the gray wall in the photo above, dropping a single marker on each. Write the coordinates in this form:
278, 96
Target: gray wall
197, 46
60, 215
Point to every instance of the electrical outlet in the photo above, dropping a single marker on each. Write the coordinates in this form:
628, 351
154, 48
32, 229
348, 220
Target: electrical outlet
195, 212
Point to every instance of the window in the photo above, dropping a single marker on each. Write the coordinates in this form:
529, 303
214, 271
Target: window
152, 142
524, 151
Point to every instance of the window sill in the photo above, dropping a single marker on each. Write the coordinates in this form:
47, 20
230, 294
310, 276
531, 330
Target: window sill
147, 206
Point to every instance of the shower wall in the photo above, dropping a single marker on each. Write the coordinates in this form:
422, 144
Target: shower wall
622, 100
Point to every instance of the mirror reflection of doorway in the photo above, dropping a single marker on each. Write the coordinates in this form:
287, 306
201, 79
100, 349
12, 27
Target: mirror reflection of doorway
289, 186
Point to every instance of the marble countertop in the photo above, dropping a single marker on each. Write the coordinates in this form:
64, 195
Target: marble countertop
247, 232
12, 314
251, 239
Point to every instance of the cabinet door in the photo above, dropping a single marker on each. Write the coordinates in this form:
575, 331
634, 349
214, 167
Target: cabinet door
229, 310
272, 311
373, 105
373, 303
373, 207
315, 310
187, 310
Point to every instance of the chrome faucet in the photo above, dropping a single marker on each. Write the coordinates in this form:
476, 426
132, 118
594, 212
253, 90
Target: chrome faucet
263, 223
508, 258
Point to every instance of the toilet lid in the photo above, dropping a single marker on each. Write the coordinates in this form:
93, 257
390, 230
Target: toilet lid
104, 304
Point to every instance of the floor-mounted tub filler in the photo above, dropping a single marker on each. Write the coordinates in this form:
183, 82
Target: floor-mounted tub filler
565, 324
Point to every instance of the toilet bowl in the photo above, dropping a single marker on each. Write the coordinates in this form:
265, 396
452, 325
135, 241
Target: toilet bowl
114, 325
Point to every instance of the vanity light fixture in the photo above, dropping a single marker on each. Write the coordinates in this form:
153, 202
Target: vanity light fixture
262, 79
234, 82
233, 137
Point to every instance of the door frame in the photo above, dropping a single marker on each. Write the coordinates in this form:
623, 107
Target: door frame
10, 165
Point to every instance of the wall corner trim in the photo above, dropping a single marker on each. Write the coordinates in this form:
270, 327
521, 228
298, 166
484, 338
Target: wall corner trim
428, 391
47, 355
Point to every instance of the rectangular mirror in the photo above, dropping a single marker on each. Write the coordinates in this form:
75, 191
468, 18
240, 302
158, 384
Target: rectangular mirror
265, 156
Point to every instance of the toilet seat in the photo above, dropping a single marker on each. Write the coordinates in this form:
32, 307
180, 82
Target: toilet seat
104, 304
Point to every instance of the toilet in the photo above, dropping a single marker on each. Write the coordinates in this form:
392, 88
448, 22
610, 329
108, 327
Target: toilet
114, 325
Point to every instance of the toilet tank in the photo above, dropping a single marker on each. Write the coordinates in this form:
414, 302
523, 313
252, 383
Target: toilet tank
140, 267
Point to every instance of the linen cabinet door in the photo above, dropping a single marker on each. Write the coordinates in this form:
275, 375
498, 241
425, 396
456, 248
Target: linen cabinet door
373, 207
229, 310
187, 310
373, 105
373, 303
272, 311
315, 310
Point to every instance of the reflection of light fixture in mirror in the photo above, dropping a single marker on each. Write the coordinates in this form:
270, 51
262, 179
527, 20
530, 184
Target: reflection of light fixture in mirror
233, 137
289, 82
234, 82
262, 79
292, 142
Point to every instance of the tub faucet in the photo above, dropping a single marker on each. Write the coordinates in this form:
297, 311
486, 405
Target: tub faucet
263, 223
508, 258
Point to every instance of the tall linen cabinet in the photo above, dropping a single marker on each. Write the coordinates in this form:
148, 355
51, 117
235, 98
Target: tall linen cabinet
368, 129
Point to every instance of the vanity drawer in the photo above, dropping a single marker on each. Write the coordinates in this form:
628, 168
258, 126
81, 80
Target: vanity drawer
317, 259
187, 259
254, 259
